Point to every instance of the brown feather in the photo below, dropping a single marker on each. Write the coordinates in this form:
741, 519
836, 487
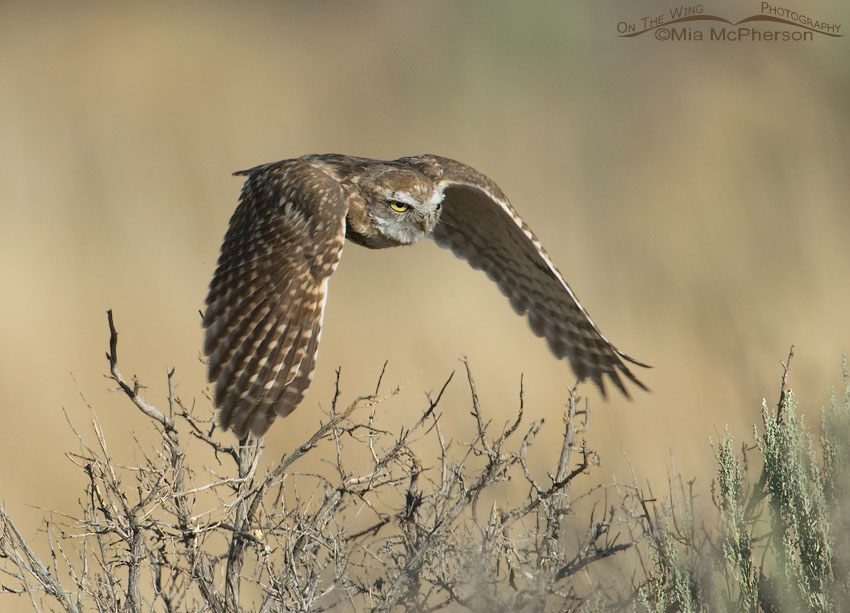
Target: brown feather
266, 300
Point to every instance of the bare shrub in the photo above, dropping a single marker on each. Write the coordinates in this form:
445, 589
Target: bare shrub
409, 531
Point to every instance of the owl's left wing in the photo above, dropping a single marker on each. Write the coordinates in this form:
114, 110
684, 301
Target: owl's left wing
479, 225
267, 297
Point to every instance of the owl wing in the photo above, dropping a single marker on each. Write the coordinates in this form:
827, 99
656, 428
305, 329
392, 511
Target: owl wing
479, 225
267, 298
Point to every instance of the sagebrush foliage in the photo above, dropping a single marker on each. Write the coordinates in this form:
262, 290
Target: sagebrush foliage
779, 538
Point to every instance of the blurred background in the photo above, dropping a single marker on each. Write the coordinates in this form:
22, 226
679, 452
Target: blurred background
694, 194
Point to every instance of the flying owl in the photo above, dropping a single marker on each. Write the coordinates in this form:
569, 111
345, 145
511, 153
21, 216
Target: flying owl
267, 298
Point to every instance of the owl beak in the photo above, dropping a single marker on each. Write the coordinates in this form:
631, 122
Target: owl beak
428, 224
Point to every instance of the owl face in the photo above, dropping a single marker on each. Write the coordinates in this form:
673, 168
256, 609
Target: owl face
403, 204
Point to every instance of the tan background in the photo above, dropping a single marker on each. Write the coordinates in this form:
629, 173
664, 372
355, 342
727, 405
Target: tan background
694, 194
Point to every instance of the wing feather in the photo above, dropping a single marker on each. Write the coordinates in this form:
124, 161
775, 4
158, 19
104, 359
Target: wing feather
267, 297
478, 224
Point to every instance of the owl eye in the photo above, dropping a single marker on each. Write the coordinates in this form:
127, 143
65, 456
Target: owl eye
401, 207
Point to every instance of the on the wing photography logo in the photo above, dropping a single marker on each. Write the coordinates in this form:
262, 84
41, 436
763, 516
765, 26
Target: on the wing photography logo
772, 24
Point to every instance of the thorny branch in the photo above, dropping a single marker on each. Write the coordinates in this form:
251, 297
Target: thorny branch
403, 530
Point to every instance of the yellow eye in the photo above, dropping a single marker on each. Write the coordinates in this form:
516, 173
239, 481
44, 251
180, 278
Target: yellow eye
401, 207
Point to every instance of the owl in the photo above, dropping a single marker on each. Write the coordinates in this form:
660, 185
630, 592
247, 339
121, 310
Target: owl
267, 298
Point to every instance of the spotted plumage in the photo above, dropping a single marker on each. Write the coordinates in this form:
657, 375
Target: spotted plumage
266, 300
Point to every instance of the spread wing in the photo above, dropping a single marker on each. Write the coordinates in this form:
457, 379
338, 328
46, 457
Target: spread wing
479, 225
266, 300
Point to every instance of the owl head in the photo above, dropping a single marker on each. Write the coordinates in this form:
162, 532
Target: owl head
403, 204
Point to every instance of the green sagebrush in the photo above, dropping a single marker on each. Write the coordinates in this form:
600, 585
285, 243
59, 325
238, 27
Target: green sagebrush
779, 539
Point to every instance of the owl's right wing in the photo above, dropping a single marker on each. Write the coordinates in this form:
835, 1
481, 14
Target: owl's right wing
266, 300
479, 225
